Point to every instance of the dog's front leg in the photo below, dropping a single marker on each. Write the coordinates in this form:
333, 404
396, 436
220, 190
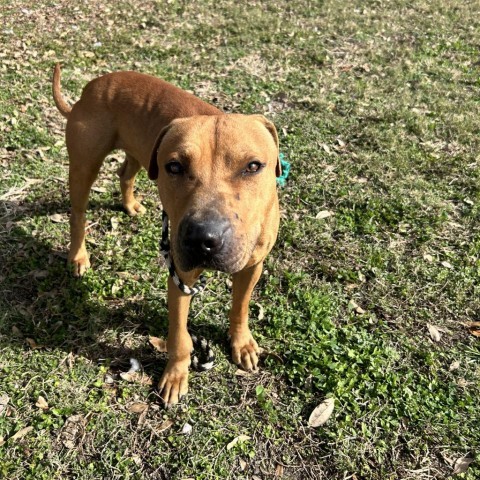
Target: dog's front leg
174, 382
244, 347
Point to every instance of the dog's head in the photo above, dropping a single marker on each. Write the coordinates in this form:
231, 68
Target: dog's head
216, 179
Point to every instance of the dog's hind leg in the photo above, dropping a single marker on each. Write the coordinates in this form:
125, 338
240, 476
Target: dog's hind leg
80, 180
127, 173
87, 148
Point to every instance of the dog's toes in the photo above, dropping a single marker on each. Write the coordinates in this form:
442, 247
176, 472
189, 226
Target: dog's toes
135, 208
249, 359
79, 266
173, 385
245, 351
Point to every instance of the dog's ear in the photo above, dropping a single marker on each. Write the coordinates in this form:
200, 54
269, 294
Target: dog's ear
273, 131
153, 166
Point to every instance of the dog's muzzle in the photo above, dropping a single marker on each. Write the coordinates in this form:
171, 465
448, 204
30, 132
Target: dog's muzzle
205, 241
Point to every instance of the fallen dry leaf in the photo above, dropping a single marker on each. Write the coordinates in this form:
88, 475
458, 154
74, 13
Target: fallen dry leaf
4, 399
159, 344
137, 407
261, 312
323, 214
434, 332
21, 433
463, 383
240, 438
33, 344
72, 431
326, 148
242, 373
165, 425
447, 264
279, 470
462, 464
428, 258
243, 464
473, 328
136, 377
454, 366
357, 308
42, 403
322, 413
57, 218
142, 418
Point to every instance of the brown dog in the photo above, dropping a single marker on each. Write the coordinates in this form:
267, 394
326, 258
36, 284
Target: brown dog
216, 179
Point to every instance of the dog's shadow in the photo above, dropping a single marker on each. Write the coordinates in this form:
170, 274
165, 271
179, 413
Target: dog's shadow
41, 300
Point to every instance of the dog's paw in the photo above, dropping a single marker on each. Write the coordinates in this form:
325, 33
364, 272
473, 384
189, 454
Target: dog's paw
245, 350
79, 265
134, 208
174, 383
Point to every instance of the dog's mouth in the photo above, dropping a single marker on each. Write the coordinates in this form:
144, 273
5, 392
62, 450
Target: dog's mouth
232, 258
228, 264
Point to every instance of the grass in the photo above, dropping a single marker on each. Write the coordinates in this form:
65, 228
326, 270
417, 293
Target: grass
376, 104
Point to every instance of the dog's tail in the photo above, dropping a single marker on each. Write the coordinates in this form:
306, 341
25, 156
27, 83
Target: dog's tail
63, 107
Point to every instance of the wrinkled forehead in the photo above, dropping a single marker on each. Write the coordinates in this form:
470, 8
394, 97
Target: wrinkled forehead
221, 135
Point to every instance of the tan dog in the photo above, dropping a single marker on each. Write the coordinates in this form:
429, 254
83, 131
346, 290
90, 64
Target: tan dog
216, 179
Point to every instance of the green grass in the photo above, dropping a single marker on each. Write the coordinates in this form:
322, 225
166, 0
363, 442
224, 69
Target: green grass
376, 104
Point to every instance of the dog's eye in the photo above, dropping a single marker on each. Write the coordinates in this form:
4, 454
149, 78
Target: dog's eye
174, 168
254, 167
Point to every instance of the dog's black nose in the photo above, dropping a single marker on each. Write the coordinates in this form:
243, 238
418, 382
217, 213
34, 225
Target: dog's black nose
211, 241
205, 237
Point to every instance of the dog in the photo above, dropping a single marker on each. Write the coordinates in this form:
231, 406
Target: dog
216, 176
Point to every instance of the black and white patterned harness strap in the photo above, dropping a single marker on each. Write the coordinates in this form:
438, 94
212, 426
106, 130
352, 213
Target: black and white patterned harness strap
202, 354
165, 251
